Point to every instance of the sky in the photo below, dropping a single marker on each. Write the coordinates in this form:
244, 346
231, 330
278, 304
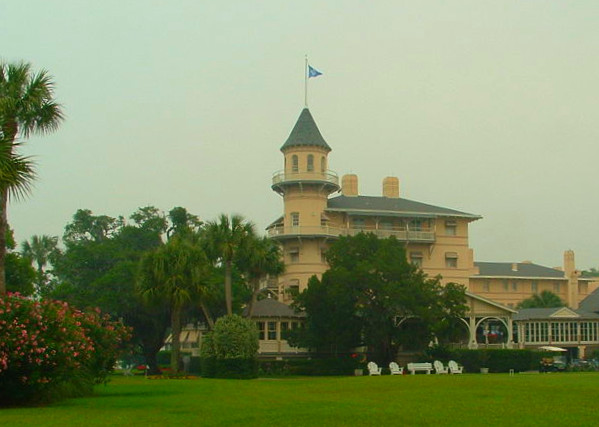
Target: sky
488, 107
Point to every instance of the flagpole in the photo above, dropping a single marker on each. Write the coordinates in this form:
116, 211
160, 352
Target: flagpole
306, 82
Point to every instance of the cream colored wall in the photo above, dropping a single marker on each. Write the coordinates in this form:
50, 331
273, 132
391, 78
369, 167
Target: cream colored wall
434, 262
510, 297
309, 264
310, 201
302, 154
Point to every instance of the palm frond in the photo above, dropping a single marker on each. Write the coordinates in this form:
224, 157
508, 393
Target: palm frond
17, 173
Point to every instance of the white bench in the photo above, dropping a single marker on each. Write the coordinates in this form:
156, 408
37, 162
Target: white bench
425, 366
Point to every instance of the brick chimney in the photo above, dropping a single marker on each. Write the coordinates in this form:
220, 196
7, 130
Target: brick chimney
349, 185
391, 187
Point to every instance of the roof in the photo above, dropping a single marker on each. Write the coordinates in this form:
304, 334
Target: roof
269, 307
305, 133
524, 269
390, 206
490, 302
591, 302
553, 313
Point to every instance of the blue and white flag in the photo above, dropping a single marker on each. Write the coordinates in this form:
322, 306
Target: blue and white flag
313, 72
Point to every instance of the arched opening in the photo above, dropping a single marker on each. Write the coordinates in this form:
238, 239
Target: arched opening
491, 331
310, 163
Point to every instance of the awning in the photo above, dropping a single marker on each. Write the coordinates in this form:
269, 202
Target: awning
550, 348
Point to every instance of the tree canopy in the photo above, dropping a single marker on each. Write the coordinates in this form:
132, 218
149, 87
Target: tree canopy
545, 299
368, 289
27, 106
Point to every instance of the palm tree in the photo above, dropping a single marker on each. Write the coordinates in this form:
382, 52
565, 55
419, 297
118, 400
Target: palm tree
261, 258
39, 250
27, 107
173, 274
224, 239
545, 299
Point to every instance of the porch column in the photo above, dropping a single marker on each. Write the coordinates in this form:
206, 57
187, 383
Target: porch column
472, 329
510, 333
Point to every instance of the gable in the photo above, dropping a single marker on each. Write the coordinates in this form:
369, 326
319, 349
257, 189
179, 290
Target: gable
564, 312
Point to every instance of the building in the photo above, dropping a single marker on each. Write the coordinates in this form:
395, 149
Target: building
436, 238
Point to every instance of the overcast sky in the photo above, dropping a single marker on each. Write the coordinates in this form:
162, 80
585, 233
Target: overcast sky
489, 107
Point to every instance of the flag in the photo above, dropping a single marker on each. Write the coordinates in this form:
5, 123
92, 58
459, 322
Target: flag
313, 72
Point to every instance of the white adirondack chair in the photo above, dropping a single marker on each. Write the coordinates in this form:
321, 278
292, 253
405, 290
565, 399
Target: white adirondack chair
395, 369
439, 368
373, 369
454, 368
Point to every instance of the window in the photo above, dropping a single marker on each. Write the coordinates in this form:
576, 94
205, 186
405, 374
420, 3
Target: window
416, 258
506, 285
261, 332
310, 163
557, 287
272, 330
293, 254
451, 228
295, 219
294, 164
451, 260
514, 286
359, 223
416, 225
487, 286
323, 164
534, 286
284, 329
386, 225
293, 288
323, 255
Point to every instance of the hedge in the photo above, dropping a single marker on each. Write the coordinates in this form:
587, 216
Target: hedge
310, 367
229, 368
500, 360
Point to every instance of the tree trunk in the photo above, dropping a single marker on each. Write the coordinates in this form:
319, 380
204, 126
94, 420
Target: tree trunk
255, 285
151, 361
3, 230
207, 315
228, 292
175, 335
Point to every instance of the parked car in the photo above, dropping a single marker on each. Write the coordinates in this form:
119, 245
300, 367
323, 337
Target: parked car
551, 364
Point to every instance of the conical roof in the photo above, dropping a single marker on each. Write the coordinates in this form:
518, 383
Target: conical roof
305, 133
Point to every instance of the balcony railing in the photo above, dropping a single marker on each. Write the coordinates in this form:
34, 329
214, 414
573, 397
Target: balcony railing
400, 234
328, 176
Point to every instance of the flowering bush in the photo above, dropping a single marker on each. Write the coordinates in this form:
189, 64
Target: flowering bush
50, 350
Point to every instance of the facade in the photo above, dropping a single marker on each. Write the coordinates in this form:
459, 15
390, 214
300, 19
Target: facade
436, 238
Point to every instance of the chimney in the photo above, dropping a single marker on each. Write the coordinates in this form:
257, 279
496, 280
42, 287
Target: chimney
349, 185
569, 264
515, 266
391, 187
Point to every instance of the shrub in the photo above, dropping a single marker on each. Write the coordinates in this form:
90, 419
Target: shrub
501, 360
311, 367
230, 350
49, 350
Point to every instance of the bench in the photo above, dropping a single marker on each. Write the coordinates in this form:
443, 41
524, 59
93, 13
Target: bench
413, 367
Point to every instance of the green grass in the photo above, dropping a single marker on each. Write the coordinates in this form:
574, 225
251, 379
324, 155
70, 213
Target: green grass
426, 400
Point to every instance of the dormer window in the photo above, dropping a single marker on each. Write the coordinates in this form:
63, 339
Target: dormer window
294, 164
310, 163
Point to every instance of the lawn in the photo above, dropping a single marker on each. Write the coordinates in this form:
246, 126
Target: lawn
461, 400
